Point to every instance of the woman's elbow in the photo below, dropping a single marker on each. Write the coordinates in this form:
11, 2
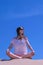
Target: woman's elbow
7, 52
33, 53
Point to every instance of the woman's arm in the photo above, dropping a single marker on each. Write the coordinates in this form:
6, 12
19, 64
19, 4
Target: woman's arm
29, 46
10, 54
30, 54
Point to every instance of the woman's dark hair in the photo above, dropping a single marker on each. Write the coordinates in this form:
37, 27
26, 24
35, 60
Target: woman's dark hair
18, 29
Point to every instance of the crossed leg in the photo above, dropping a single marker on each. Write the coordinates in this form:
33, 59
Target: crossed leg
13, 56
29, 55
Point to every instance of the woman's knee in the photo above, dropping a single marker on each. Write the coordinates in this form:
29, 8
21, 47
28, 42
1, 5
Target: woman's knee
32, 53
8, 53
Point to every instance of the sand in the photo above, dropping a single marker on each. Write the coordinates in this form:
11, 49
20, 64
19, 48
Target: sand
22, 62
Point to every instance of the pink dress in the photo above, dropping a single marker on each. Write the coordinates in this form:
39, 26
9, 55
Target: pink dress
19, 45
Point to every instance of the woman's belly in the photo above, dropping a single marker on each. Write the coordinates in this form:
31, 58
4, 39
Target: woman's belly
20, 47
20, 52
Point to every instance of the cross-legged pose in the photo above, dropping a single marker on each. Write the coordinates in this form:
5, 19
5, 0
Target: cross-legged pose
20, 43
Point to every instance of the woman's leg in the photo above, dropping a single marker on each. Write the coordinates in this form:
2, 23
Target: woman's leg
29, 55
13, 56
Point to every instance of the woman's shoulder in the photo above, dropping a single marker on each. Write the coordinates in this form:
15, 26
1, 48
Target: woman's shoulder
26, 38
14, 38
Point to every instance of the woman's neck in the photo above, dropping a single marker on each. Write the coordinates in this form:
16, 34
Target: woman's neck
19, 37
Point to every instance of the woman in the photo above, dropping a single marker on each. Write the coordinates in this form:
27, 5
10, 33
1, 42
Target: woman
20, 44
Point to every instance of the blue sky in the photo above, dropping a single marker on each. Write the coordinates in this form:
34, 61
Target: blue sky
26, 13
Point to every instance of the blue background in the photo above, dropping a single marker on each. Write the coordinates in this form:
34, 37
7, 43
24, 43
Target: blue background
26, 13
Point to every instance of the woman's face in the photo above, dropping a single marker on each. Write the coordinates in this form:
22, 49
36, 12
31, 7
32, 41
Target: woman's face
21, 33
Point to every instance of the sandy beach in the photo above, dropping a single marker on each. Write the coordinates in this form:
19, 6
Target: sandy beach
22, 62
